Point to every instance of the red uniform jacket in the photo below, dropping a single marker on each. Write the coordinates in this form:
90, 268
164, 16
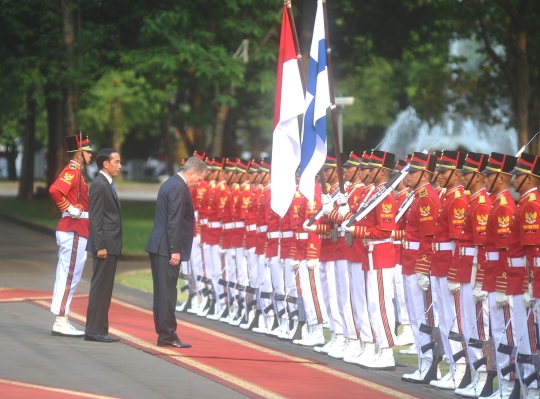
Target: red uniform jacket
203, 210
250, 215
448, 229
400, 199
227, 217
64, 191
357, 253
303, 209
421, 220
239, 213
216, 204
264, 198
323, 229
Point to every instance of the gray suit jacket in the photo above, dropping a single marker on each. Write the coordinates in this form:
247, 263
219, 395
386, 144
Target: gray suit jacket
174, 220
104, 215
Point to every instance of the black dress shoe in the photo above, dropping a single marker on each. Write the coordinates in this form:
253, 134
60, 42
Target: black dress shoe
100, 338
174, 344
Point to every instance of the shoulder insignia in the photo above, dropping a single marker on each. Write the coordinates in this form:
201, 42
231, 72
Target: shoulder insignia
222, 186
72, 167
503, 200
532, 197
457, 194
482, 200
423, 193
247, 187
297, 194
467, 193
530, 218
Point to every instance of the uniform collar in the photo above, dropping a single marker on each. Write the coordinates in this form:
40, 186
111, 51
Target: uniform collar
501, 194
421, 187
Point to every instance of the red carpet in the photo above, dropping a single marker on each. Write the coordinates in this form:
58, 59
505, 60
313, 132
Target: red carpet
20, 390
246, 367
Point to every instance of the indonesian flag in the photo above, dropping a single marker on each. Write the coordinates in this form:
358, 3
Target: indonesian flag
286, 137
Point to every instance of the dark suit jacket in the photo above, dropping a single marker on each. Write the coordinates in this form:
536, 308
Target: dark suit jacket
174, 220
104, 215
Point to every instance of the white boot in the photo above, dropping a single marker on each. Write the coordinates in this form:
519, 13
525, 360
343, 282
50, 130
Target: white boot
354, 349
507, 388
419, 375
367, 353
406, 337
219, 310
292, 331
316, 337
411, 350
474, 389
534, 393
196, 303
447, 382
63, 328
251, 316
383, 361
353, 356
328, 346
339, 348
265, 324
283, 332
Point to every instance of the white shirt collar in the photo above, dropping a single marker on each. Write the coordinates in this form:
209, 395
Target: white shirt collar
109, 178
183, 178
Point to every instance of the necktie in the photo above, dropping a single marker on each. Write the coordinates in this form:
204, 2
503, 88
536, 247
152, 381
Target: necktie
114, 191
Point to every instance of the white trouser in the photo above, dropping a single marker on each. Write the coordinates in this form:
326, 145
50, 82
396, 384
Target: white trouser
502, 331
343, 294
399, 297
357, 280
252, 264
196, 264
71, 260
264, 281
380, 292
448, 307
230, 274
310, 283
524, 321
290, 285
475, 322
276, 269
414, 298
215, 272
328, 286
241, 266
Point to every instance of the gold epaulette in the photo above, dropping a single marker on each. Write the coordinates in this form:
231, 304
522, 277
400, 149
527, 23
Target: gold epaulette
503, 200
482, 200
423, 193
297, 194
457, 194
72, 167
532, 197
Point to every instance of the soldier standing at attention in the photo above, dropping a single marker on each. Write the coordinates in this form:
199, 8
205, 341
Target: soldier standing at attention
70, 193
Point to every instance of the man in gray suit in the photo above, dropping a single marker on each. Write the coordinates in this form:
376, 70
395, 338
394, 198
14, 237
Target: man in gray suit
105, 243
170, 242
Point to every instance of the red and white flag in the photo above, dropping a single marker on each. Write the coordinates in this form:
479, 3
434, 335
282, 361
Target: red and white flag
286, 137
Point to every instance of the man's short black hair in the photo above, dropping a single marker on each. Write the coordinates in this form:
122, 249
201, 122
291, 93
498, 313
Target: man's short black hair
104, 155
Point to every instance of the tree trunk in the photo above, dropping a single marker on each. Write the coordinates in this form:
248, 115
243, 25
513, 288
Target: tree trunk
221, 118
26, 183
168, 139
255, 143
56, 155
523, 88
11, 155
70, 97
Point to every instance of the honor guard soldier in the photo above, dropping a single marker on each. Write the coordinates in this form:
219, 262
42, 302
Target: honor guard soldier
449, 228
70, 193
376, 229
421, 219
525, 234
473, 309
495, 272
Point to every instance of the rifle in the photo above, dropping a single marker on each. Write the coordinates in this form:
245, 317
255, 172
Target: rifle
436, 344
525, 146
319, 213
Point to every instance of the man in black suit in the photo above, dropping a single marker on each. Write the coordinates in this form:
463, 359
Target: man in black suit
105, 243
170, 242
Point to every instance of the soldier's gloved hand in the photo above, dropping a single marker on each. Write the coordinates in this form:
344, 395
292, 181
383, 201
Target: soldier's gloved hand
198, 240
233, 252
312, 263
222, 251
453, 287
528, 299
343, 210
75, 211
478, 294
501, 299
345, 227
327, 208
423, 281
295, 264
342, 199
326, 199
312, 228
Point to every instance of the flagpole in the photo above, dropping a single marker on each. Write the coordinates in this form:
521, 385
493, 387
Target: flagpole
332, 100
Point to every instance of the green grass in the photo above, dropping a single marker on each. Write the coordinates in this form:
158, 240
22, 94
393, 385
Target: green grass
137, 219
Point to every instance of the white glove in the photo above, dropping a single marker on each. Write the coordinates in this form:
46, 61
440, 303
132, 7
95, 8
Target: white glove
313, 227
453, 287
222, 251
326, 199
342, 199
312, 263
346, 228
327, 208
74, 212
198, 240
423, 281
233, 252
478, 294
343, 210
528, 299
295, 264
501, 299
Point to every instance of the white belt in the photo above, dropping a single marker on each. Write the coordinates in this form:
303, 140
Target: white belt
228, 226
443, 246
414, 245
204, 221
536, 262
341, 233
492, 256
214, 225
325, 236
273, 234
467, 251
239, 225
305, 236
196, 214
84, 215
371, 244
397, 242
287, 234
251, 227
262, 229
517, 262
376, 242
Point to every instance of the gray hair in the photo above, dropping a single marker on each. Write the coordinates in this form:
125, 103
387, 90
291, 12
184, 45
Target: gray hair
196, 165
